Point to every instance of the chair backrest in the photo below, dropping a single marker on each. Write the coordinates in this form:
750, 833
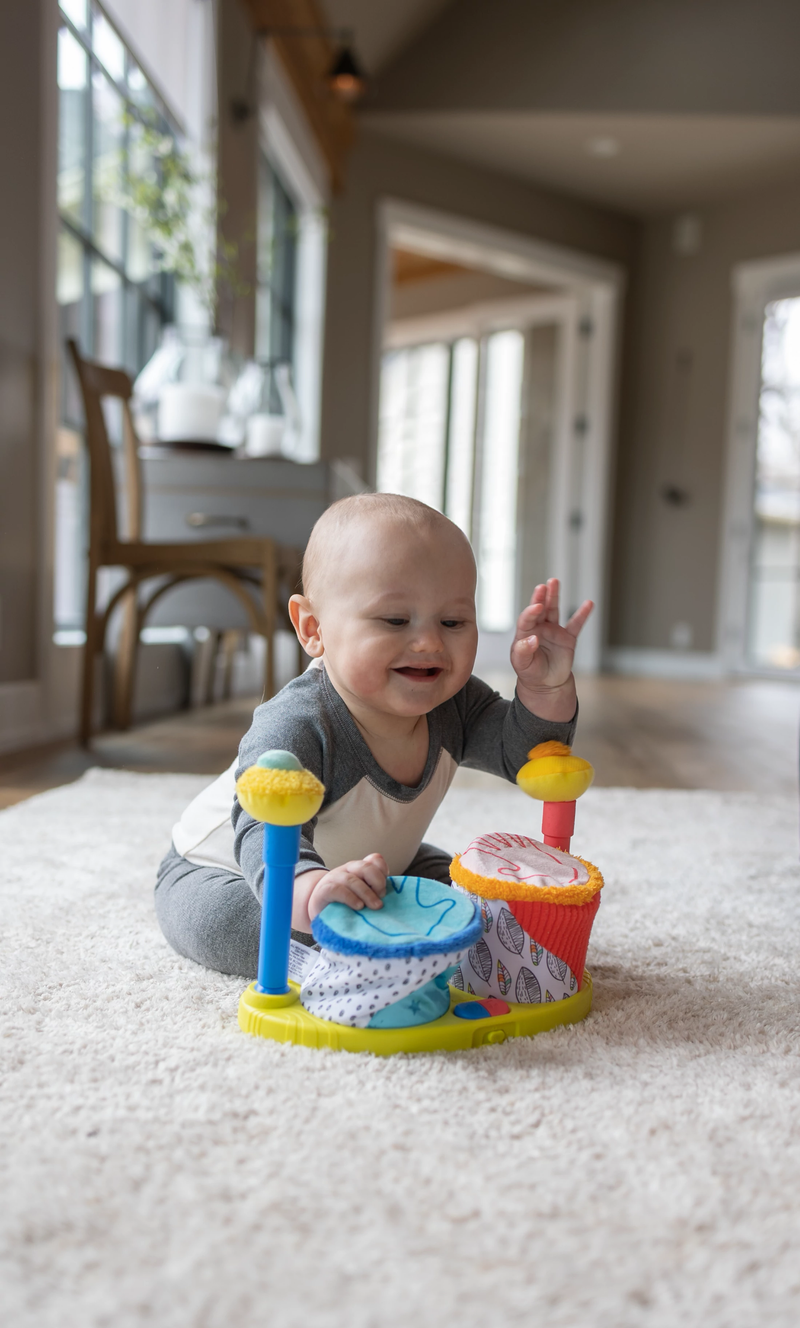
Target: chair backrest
96, 381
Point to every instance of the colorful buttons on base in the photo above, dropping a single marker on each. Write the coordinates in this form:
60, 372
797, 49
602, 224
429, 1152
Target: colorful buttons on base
485, 1009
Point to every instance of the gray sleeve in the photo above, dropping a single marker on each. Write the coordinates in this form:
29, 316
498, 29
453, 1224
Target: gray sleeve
286, 723
497, 734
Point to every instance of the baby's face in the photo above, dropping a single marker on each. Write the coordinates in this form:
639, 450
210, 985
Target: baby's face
397, 617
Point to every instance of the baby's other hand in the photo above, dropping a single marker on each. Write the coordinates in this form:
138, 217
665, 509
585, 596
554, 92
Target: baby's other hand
541, 655
360, 883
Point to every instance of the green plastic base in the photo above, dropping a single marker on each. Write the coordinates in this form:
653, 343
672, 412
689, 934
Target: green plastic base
284, 1019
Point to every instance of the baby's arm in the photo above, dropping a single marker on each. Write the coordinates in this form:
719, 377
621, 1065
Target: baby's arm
358, 883
497, 734
292, 722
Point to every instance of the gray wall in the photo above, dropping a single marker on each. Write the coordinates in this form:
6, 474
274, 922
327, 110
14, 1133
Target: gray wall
674, 415
20, 240
379, 168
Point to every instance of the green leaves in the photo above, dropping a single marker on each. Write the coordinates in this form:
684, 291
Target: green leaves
177, 207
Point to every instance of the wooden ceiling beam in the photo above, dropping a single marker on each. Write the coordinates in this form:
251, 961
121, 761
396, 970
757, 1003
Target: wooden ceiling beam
307, 58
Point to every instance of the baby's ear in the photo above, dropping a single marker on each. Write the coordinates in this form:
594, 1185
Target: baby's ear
306, 625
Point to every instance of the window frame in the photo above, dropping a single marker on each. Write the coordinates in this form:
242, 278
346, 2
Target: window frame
287, 142
160, 298
146, 305
755, 285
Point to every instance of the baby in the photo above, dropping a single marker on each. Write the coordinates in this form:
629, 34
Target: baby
384, 716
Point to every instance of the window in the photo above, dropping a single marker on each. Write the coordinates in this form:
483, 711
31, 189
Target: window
413, 437
276, 302
432, 445
110, 295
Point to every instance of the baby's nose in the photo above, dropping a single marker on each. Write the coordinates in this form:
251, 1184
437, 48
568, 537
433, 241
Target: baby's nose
428, 638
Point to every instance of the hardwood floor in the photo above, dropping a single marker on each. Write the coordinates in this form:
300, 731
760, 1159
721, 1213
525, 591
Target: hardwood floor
649, 733
201, 741
639, 732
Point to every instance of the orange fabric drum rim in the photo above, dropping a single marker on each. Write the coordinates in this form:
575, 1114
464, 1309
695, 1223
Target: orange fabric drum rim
491, 887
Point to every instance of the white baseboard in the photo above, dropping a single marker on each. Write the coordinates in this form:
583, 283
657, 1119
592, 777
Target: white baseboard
21, 722
32, 713
688, 664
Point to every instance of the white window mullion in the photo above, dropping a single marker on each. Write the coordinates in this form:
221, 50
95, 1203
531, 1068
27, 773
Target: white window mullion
497, 499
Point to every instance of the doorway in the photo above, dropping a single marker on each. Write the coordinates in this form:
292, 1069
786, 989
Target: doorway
497, 406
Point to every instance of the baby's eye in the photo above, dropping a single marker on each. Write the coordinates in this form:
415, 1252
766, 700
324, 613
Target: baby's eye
396, 622
452, 622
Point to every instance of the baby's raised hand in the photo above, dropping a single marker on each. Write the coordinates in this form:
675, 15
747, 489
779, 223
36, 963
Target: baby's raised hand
543, 650
360, 884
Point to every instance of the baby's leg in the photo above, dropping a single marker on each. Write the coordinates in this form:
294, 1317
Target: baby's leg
431, 862
209, 915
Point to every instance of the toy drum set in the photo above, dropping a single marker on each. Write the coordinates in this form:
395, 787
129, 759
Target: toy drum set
499, 954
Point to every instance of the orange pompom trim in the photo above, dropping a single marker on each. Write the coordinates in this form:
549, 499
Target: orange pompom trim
551, 748
491, 887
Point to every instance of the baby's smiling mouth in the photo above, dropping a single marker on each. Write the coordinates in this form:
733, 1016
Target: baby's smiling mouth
418, 675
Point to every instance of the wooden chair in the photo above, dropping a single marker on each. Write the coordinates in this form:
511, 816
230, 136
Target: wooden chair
240, 563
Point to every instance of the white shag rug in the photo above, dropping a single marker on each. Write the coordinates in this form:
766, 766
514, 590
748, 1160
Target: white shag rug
160, 1168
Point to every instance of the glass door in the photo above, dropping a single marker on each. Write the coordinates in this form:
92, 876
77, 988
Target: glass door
773, 626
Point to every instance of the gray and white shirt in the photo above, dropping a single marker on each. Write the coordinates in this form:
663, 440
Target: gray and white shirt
364, 809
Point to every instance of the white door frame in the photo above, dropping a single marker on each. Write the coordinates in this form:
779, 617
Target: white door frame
584, 455
755, 285
288, 142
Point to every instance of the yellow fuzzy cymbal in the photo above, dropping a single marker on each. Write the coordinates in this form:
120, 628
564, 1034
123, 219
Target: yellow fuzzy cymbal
280, 797
553, 774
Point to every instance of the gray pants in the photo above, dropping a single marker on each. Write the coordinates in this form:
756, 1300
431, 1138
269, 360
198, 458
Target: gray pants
211, 916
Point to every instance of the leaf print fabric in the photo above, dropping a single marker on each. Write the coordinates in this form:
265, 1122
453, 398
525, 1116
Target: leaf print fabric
509, 932
557, 967
509, 964
527, 991
480, 958
503, 978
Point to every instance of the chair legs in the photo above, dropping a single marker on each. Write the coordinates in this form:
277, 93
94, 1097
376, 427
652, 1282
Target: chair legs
263, 619
228, 646
89, 654
125, 662
269, 595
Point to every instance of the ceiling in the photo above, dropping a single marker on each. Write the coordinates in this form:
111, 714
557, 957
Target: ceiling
651, 163
654, 160
382, 28
408, 267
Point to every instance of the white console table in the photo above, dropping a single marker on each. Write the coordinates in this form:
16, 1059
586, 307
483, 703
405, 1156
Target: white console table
194, 495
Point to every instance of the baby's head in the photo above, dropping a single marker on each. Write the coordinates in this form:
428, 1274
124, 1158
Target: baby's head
389, 600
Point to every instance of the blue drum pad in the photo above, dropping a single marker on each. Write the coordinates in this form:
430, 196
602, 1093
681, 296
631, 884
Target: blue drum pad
375, 963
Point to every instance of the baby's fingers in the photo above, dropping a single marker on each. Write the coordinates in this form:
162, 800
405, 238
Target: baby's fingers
528, 619
354, 900
579, 617
352, 889
373, 870
523, 651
